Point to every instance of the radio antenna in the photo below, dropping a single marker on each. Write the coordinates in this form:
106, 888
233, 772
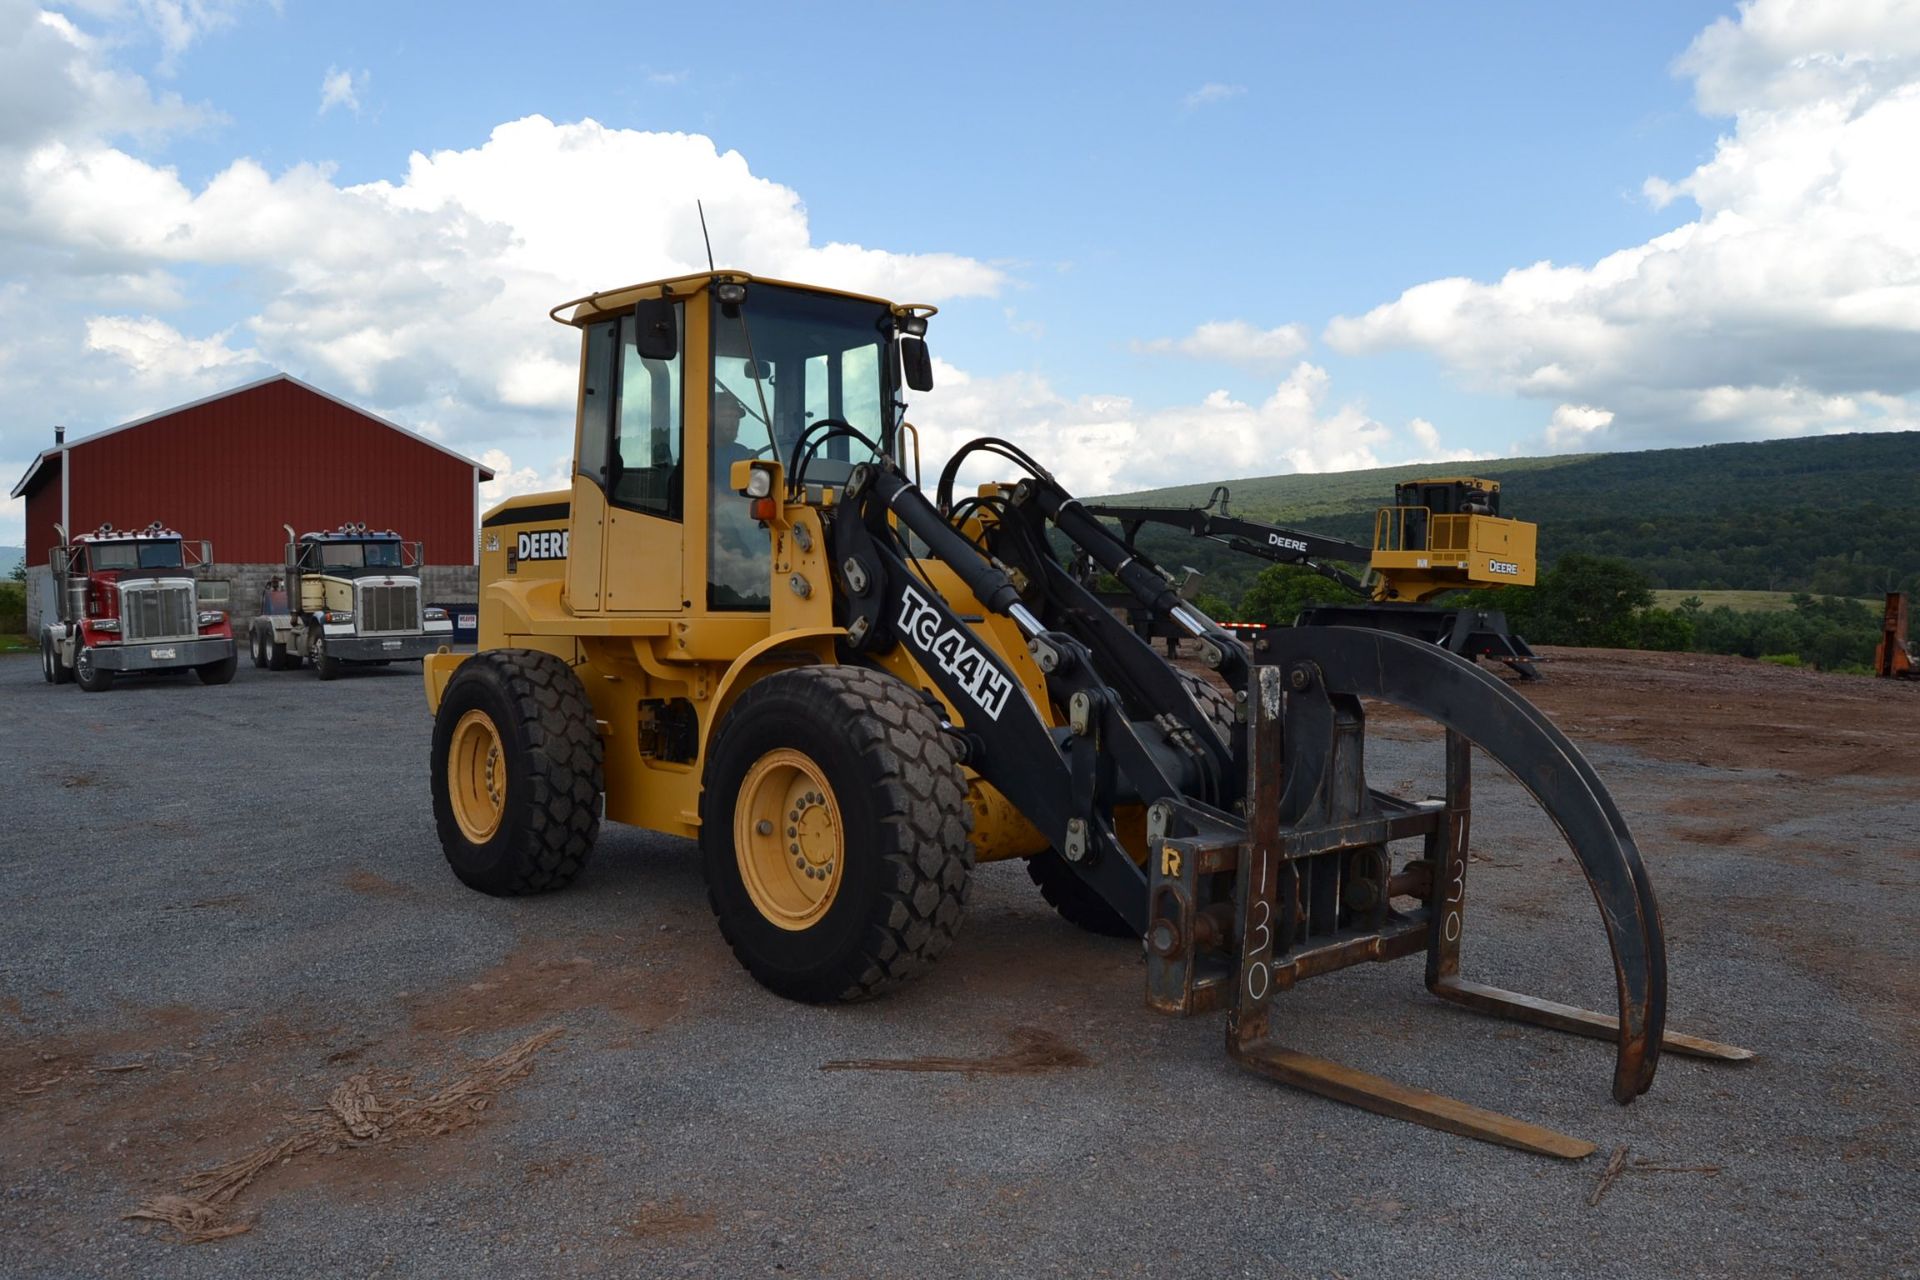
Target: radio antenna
703, 233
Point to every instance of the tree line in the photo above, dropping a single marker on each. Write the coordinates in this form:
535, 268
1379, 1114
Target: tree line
1606, 603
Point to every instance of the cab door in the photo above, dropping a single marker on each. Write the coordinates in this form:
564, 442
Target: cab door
628, 502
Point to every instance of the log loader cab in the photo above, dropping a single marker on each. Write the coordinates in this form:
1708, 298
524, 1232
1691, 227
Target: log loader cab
1445, 533
127, 600
745, 623
349, 596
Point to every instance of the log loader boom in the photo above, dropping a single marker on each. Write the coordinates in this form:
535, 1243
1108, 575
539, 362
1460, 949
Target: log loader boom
749, 624
1440, 535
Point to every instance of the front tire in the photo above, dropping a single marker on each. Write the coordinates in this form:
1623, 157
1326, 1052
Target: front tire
325, 665
88, 674
220, 672
516, 773
834, 833
1073, 898
257, 645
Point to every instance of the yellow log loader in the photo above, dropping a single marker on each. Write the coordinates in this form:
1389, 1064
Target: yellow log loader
747, 623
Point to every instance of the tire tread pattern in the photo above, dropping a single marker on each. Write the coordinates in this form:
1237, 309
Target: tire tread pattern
924, 823
562, 820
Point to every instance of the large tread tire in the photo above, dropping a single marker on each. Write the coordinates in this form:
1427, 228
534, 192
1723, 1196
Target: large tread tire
1072, 897
553, 757
278, 659
220, 672
88, 676
257, 645
1217, 705
897, 782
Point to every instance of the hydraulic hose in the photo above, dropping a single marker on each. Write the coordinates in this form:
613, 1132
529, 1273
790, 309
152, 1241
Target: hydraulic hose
988, 582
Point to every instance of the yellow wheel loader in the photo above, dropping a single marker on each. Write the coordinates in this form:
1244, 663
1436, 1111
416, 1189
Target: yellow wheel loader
746, 623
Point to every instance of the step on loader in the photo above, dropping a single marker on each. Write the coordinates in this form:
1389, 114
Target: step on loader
747, 623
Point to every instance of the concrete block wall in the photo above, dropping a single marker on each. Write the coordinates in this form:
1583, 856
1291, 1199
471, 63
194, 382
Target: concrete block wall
246, 583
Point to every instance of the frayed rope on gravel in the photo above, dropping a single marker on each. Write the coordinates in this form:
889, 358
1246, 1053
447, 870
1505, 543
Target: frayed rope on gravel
355, 1116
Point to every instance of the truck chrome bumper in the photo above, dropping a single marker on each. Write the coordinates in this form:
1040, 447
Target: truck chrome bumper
384, 648
164, 655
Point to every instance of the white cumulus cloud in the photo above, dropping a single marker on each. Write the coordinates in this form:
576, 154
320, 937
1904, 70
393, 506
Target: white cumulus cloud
1110, 444
1798, 281
1234, 342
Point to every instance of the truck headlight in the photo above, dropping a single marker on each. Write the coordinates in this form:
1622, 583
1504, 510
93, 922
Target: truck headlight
337, 615
107, 624
435, 615
759, 483
212, 617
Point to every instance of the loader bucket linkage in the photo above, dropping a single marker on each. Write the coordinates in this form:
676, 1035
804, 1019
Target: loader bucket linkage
1297, 879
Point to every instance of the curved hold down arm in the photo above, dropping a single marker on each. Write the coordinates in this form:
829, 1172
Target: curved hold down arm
1431, 682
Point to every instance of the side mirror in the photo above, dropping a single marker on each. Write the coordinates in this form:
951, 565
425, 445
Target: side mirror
917, 363
656, 330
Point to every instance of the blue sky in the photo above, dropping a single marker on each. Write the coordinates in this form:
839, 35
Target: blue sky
1168, 243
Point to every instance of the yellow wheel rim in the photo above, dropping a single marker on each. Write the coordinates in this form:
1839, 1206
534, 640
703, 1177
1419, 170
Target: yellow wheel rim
789, 839
477, 776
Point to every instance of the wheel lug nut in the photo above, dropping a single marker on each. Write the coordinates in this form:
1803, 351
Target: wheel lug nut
793, 848
792, 832
763, 827
800, 863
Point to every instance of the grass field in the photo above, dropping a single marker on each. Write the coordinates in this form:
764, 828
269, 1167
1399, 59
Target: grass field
1740, 601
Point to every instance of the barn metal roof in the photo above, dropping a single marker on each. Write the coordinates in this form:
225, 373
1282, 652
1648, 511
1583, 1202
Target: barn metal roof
26, 481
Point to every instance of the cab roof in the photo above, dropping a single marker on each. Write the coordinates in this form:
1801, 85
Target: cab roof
107, 533
349, 533
595, 306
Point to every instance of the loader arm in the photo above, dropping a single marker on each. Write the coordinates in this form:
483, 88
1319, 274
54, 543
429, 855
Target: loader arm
1249, 537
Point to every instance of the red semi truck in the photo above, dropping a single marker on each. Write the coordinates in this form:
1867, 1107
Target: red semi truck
128, 601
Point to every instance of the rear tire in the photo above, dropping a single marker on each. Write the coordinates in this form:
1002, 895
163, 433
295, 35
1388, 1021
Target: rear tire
88, 675
52, 669
220, 672
278, 659
524, 714
257, 645
869, 786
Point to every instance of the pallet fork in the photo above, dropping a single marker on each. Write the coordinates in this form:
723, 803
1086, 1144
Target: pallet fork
1282, 869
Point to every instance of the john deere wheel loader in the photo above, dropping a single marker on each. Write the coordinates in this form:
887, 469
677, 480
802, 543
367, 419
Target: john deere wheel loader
747, 624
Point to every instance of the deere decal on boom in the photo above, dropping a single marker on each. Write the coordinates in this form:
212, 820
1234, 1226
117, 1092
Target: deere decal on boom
766, 636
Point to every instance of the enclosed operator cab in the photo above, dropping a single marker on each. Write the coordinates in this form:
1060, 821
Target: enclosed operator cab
129, 601
1444, 533
351, 595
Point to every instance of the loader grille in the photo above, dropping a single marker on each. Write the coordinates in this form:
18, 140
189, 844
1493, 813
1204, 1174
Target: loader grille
158, 611
389, 608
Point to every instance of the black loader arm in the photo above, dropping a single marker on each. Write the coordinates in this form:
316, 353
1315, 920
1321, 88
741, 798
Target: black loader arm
1250, 537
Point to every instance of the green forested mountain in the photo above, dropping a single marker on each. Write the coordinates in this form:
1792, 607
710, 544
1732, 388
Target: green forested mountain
1830, 515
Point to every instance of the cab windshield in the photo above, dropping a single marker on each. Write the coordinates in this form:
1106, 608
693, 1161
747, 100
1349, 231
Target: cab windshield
383, 554
158, 554
786, 360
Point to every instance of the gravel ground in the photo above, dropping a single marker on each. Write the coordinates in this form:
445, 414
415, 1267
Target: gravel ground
221, 903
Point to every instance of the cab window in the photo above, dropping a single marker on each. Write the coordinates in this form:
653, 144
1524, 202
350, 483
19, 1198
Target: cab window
630, 427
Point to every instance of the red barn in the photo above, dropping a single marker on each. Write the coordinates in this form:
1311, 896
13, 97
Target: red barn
234, 467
